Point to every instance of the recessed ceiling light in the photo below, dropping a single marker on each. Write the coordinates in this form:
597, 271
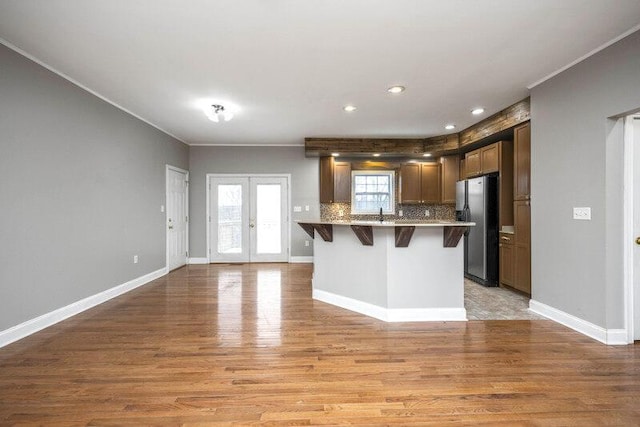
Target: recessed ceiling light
426, 155
376, 155
396, 89
477, 111
450, 126
335, 154
350, 108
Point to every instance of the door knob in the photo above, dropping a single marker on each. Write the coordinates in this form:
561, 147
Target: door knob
171, 227
252, 225
637, 240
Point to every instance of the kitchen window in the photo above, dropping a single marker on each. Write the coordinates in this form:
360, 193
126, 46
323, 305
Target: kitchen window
372, 190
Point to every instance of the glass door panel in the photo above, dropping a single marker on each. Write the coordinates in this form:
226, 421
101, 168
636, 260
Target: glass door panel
268, 219
228, 224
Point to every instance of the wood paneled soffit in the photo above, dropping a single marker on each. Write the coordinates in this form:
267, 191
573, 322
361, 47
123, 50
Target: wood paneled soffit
511, 116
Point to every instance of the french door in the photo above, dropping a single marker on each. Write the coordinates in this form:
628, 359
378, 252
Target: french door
248, 219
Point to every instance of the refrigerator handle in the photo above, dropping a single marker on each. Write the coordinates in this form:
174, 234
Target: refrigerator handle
467, 218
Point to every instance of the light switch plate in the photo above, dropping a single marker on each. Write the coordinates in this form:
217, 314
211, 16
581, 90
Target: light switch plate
582, 213
297, 208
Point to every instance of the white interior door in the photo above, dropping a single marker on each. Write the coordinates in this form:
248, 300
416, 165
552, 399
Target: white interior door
636, 227
248, 219
177, 217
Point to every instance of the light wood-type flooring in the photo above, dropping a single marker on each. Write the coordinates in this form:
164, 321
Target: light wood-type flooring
246, 344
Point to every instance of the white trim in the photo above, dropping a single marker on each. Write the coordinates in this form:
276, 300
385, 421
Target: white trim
582, 58
194, 261
83, 87
301, 259
391, 314
166, 209
627, 228
606, 336
32, 326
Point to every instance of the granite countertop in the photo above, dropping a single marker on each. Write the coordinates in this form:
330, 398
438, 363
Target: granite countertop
400, 223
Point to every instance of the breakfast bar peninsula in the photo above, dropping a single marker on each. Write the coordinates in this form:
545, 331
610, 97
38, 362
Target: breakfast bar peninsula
394, 271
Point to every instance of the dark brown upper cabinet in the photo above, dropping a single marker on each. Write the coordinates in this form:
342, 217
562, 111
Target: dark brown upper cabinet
450, 166
522, 162
420, 183
335, 181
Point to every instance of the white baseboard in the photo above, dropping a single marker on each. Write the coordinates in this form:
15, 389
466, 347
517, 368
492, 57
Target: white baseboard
34, 325
605, 336
392, 314
192, 261
301, 259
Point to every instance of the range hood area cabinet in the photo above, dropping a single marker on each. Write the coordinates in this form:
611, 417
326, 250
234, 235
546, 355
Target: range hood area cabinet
335, 181
419, 183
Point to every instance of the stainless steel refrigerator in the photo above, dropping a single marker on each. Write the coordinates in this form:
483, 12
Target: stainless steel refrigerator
477, 201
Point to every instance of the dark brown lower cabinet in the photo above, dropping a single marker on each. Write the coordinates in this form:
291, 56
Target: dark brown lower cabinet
522, 225
507, 260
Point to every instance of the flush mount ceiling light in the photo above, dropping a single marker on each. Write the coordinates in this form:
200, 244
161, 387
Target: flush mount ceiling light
450, 126
477, 111
350, 108
396, 89
216, 111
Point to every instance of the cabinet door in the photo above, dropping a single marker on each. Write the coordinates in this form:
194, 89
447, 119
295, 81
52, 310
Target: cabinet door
431, 183
342, 182
489, 161
463, 170
410, 185
326, 179
523, 268
450, 172
472, 163
522, 225
522, 162
522, 221
507, 264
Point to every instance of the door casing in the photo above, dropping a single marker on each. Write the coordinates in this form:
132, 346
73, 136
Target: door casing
211, 176
186, 243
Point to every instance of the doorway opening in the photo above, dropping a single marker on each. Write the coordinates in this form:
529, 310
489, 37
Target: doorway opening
177, 217
247, 218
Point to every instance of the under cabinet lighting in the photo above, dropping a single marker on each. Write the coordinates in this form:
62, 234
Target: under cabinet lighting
426, 155
376, 155
335, 154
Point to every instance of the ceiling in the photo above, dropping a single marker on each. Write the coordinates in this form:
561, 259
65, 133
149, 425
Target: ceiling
291, 66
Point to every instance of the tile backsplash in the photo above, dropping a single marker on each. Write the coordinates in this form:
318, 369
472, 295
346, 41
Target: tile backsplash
342, 211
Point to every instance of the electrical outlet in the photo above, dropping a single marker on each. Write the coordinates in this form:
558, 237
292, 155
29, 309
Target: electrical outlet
427, 213
162, 208
135, 259
306, 208
340, 213
582, 213
400, 213
306, 243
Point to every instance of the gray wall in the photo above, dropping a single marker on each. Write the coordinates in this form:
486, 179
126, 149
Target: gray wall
576, 160
81, 187
247, 160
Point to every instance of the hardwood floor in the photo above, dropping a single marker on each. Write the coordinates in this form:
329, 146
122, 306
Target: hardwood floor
246, 344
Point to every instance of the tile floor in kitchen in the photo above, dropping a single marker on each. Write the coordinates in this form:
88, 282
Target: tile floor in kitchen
483, 303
